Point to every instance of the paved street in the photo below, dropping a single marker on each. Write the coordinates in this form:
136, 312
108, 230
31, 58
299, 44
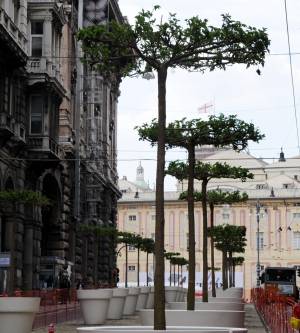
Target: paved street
252, 322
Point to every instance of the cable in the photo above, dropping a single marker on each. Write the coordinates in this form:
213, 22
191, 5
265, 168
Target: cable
292, 74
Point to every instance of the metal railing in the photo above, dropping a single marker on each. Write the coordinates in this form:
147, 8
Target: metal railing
276, 310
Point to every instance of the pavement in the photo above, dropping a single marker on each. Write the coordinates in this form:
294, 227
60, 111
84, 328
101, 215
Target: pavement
252, 322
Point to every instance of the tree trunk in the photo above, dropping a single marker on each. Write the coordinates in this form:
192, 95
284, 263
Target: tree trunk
126, 263
174, 273
230, 269
177, 275
205, 266
233, 274
159, 293
147, 268
224, 270
138, 266
212, 253
191, 218
170, 273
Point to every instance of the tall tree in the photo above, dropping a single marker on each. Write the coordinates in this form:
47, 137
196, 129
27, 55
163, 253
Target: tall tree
217, 131
228, 239
121, 50
236, 261
205, 172
169, 256
148, 247
216, 197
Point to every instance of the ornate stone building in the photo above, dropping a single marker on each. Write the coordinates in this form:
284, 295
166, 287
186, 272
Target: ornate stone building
275, 187
58, 137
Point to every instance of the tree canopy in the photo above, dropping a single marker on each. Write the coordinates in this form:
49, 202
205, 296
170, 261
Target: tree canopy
218, 131
152, 43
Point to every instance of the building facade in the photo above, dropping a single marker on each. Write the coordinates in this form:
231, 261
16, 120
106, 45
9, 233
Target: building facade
58, 137
274, 197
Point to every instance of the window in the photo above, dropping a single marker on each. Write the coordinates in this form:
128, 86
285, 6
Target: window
37, 31
131, 268
226, 216
152, 217
36, 124
261, 186
131, 248
260, 241
132, 217
153, 236
288, 185
296, 215
296, 240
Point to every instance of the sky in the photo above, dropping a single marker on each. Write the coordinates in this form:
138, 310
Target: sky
265, 100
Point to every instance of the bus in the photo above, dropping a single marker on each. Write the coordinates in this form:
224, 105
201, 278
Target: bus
283, 279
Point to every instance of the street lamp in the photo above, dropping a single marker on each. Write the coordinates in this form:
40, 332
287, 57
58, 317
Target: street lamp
257, 244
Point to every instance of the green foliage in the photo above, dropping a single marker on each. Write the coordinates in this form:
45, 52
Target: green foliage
180, 261
218, 131
207, 171
148, 245
237, 261
170, 255
25, 196
124, 50
229, 238
217, 197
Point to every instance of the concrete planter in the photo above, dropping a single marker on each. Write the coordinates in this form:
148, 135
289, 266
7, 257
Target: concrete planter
208, 306
17, 314
117, 302
212, 318
179, 294
148, 329
171, 294
94, 305
131, 301
223, 300
142, 298
150, 300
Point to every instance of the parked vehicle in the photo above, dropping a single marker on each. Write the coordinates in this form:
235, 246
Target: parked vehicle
282, 279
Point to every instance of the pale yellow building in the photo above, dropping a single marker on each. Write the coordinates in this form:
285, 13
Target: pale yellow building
275, 187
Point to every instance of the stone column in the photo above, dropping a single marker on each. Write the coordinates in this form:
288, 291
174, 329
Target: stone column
28, 256
47, 47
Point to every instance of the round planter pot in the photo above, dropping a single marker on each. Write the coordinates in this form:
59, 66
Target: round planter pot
150, 300
202, 318
17, 314
148, 329
117, 302
131, 300
171, 294
94, 305
208, 306
142, 298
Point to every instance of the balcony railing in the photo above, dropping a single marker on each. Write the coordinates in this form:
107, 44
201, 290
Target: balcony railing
14, 32
44, 144
44, 66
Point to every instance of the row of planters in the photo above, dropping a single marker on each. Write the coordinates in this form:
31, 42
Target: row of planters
97, 305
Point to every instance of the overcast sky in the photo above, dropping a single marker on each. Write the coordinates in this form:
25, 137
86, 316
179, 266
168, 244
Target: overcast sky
265, 100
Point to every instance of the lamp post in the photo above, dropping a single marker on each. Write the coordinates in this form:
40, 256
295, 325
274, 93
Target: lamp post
257, 244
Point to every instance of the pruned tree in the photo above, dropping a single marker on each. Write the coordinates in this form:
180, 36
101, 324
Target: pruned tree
236, 261
147, 246
217, 131
169, 256
228, 239
120, 49
216, 197
204, 172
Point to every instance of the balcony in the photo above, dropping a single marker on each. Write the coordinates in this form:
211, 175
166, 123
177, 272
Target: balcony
44, 70
44, 147
15, 39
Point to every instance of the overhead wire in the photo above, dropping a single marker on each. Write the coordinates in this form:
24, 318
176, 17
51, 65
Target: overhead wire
292, 74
